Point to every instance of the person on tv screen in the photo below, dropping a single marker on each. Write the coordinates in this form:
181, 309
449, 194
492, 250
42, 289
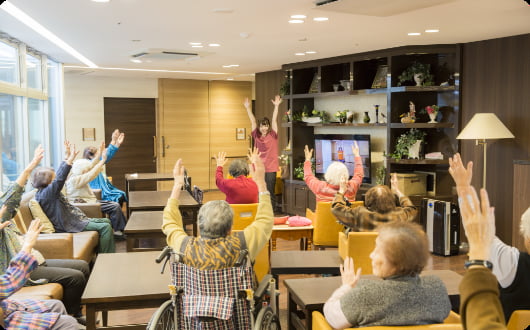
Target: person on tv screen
325, 190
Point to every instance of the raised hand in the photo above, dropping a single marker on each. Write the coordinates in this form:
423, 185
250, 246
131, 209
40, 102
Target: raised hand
478, 219
178, 176
343, 185
115, 135
277, 100
355, 149
246, 103
348, 275
38, 154
72, 153
30, 238
120, 139
220, 158
460, 174
308, 153
104, 156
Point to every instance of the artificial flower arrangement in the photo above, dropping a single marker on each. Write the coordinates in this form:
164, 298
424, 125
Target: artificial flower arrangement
431, 109
342, 115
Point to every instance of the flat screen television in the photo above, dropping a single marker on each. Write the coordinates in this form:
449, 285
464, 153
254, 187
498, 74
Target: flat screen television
337, 147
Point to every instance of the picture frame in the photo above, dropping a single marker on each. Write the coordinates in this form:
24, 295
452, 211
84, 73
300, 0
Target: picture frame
241, 133
89, 134
380, 77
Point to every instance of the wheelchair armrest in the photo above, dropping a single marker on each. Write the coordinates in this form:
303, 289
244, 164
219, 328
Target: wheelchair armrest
262, 287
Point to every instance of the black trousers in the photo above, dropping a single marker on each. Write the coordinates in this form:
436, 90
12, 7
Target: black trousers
270, 181
116, 216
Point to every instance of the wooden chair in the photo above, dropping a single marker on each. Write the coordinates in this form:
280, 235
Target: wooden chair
326, 229
244, 214
519, 320
452, 322
358, 245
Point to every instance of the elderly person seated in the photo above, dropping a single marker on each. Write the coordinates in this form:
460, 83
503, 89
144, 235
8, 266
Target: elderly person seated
108, 191
71, 274
215, 222
240, 189
78, 188
510, 266
65, 217
28, 313
403, 297
381, 205
326, 190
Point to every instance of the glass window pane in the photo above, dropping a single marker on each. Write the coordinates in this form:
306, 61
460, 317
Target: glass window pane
9, 63
36, 126
12, 155
34, 67
54, 113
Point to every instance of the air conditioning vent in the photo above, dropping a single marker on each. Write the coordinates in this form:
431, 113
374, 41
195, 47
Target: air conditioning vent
162, 54
323, 2
379, 8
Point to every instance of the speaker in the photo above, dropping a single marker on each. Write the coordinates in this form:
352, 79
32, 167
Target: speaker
441, 222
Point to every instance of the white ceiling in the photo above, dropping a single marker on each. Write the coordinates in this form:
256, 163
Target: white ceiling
104, 32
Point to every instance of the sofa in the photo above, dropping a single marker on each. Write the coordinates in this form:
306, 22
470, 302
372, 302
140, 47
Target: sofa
82, 245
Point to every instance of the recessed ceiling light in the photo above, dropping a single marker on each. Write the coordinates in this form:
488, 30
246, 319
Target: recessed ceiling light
231, 66
214, 45
310, 52
298, 16
432, 30
197, 46
229, 78
195, 43
136, 40
136, 60
296, 21
320, 19
101, 0
414, 33
299, 54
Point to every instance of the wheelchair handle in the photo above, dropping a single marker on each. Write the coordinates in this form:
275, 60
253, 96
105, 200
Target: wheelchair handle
164, 254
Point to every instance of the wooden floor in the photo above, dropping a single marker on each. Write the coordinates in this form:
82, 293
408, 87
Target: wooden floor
454, 263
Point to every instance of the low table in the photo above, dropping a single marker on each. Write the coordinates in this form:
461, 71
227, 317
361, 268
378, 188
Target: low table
304, 234
305, 262
143, 225
310, 294
157, 200
124, 281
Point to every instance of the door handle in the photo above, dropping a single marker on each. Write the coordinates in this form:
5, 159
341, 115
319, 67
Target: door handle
163, 146
154, 146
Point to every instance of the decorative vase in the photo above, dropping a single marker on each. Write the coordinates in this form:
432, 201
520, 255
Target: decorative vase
414, 150
418, 79
366, 118
432, 116
376, 113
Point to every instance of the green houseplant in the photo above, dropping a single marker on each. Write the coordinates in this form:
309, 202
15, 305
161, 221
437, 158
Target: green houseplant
419, 73
405, 141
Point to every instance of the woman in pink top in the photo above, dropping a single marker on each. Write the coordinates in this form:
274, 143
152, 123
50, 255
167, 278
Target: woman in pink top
325, 190
266, 140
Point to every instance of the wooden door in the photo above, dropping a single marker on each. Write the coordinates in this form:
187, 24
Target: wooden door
137, 118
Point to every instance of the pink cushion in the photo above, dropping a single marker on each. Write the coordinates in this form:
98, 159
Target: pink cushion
281, 220
298, 221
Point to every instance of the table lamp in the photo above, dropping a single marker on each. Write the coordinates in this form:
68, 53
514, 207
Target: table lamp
482, 127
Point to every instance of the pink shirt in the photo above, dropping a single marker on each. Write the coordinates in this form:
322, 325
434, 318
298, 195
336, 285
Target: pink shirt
268, 147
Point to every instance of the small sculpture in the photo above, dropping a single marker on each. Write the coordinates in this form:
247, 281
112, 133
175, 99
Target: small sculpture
409, 117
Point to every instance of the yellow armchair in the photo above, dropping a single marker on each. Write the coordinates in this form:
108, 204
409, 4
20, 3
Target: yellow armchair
519, 320
452, 322
244, 214
358, 245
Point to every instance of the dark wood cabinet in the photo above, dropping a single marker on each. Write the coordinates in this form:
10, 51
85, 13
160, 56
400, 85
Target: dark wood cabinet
297, 197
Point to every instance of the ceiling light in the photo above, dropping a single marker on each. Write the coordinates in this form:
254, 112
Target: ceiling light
299, 54
231, 66
144, 70
214, 45
136, 60
136, 40
414, 33
101, 0
195, 43
432, 30
197, 46
296, 21
37, 27
298, 16
229, 78
320, 19
310, 52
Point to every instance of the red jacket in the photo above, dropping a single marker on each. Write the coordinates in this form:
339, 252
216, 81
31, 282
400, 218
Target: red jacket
240, 190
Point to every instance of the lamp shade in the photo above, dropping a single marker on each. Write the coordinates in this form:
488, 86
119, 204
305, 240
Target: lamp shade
485, 126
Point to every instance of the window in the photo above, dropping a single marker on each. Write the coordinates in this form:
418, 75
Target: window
34, 71
55, 117
9, 63
9, 122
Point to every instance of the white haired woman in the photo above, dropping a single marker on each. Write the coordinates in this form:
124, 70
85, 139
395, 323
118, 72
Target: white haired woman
325, 190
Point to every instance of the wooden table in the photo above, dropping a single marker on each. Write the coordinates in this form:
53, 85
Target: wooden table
305, 262
310, 294
124, 281
131, 178
157, 200
143, 225
304, 234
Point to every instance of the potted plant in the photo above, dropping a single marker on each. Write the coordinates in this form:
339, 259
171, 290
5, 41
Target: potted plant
342, 115
432, 111
405, 143
419, 73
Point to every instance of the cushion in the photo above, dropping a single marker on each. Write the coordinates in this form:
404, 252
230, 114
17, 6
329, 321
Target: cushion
281, 220
37, 212
298, 221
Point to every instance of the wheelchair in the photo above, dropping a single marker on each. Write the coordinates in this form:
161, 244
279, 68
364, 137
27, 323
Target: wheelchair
216, 299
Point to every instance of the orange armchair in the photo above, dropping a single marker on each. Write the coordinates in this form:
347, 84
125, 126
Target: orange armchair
519, 320
452, 322
244, 214
358, 245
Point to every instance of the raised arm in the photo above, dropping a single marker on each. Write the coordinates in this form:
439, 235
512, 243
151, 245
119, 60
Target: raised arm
38, 154
277, 100
462, 175
253, 124
172, 219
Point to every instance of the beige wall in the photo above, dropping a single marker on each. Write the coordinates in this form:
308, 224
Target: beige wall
83, 102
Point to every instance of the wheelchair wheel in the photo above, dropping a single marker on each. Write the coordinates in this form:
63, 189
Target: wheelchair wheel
266, 320
163, 318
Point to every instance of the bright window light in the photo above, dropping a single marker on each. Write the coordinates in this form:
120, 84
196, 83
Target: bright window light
37, 27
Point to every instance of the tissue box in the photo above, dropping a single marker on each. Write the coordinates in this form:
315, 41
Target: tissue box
412, 183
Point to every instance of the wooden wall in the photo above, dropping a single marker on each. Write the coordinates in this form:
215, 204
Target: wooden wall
496, 78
